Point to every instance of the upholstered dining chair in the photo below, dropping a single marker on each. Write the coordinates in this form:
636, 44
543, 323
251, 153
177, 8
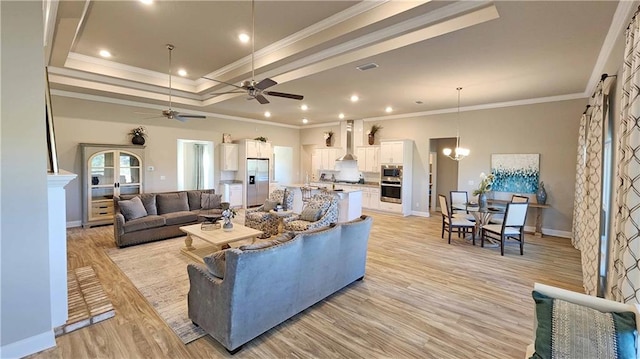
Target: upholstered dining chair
512, 226
498, 219
259, 218
459, 200
451, 223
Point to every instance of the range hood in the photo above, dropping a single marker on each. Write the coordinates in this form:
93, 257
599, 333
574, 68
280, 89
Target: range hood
349, 156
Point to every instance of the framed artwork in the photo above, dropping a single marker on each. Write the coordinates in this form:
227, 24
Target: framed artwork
52, 164
516, 173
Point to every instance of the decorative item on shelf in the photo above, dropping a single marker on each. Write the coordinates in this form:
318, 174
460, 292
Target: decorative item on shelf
328, 136
261, 139
485, 186
95, 180
459, 152
227, 214
138, 135
226, 138
372, 133
541, 195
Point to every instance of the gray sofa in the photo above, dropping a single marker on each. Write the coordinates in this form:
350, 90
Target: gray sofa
163, 215
262, 287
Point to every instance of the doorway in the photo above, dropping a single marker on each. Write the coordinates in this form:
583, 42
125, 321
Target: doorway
443, 169
195, 164
282, 164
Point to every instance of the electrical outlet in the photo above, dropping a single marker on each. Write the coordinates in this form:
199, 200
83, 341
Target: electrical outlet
162, 178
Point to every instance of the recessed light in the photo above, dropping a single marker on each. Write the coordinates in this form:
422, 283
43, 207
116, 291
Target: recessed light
147, 2
354, 98
304, 107
182, 72
304, 120
267, 114
341, 116
244, 38
388, 109
105, 53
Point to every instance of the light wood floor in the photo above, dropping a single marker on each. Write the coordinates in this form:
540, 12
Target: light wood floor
421, 298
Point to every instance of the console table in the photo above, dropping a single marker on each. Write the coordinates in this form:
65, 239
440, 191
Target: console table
539, 217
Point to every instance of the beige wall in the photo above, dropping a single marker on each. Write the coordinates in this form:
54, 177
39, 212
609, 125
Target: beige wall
446, 171
80, 121
549, 129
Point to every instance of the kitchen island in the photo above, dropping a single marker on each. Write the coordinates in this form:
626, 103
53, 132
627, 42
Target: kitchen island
349, 206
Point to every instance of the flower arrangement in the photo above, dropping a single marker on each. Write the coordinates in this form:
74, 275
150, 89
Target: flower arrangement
328, 135
229, 213
374, 129
138, 131
261, 139
485, 183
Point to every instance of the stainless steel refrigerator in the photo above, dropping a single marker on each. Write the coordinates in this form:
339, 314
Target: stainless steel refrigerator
257, 181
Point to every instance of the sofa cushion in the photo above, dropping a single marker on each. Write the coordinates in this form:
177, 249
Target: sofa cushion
211, 201
179, 217
194, 197
172, 202
216, 263
270, 204
311, 214
565, 328
132, 208
147, 222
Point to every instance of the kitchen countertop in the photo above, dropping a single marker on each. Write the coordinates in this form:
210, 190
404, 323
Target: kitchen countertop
329, 183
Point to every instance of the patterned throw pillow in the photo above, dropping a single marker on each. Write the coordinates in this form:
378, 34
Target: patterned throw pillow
568, 330
132, 208
259, 245
216, 263
311, 214
211, 201
270, 204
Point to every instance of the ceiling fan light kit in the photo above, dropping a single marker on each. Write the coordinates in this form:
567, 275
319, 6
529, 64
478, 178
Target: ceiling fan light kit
255, 90
459, 153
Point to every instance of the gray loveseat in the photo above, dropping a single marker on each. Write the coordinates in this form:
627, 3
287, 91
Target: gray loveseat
263, 287
162, 216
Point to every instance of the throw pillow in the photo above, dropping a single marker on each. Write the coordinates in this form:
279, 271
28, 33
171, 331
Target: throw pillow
172, 202
259, 245
216, 263
311, 214
211, 201
566, 329
285, 237
270, 204
132, 208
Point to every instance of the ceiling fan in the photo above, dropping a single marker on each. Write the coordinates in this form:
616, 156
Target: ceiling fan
255, 90
170, 113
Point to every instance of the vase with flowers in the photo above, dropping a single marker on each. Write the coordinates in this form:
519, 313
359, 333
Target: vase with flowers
328, 136
227, 215
138, 133
485, 186
372, 133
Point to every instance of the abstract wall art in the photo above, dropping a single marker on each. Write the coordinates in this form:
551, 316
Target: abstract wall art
516, 173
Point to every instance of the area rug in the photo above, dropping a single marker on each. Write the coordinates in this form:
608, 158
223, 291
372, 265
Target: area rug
159, 271
88, 302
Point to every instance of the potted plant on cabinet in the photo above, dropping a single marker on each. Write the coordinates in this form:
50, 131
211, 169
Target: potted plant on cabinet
138, 135
372, 133
327, 138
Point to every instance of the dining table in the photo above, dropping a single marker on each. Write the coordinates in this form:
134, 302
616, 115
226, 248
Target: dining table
482, 215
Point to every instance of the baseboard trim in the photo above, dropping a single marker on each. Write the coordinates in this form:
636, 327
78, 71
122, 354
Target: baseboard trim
28, 346
556, 233
73, 224
420, 214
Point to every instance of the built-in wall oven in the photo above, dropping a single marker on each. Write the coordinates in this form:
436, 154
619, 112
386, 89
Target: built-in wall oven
391, 183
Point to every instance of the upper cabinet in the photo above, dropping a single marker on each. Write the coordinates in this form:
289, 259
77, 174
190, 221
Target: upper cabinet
368, 158
228, 157
108, 170
257, 149
392, 152
324, 159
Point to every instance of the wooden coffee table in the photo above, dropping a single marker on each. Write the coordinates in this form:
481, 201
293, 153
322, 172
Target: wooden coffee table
216, 239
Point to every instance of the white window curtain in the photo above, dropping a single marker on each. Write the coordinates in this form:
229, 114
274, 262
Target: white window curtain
588, 203
624, 274
198, 163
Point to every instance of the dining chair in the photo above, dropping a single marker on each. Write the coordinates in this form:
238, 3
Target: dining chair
514, 199
450, 223
459, 200
512, 226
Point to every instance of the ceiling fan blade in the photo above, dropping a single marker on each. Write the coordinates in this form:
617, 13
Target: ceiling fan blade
222, 82
266, 83
285, 95
192, 116
263, 100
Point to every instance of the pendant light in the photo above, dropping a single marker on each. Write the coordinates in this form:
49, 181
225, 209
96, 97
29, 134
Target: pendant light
459, 153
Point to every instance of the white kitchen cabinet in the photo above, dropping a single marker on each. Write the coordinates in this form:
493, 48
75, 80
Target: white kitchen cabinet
326, 158
392, 152
368, 158
108, 170
232, 193
257, 149
228, 157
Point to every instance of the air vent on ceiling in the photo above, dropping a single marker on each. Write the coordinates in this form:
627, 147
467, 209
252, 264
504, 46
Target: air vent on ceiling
367, 66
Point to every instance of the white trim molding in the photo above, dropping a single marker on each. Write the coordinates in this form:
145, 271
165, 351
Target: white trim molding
28, 346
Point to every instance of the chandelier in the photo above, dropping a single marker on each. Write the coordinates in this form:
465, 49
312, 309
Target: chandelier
459, 153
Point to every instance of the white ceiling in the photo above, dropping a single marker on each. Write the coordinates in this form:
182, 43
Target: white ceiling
501, 51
